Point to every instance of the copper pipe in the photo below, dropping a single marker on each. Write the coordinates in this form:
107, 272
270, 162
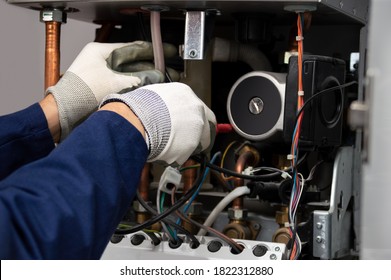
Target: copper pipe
248, 156
103, 33
241, 164
189, 176
143, 186
52, 53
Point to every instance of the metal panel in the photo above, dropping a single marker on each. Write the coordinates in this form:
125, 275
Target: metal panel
97, 10
331, 228
376, 190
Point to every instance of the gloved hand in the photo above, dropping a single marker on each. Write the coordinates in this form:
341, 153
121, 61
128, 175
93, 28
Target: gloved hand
95, 73
177, 123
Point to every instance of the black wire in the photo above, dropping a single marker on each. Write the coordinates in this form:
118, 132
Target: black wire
167, 221
155, 240
168, 76
141, 24
169, 211
239, 175
319, 93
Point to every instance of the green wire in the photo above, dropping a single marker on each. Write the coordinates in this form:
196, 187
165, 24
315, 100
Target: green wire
161, 210
189, 167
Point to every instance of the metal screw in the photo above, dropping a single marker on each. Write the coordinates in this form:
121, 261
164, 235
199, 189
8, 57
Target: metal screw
319, 239
256, 226
277, 249
273, 257
319, 225
256, 105
193, 53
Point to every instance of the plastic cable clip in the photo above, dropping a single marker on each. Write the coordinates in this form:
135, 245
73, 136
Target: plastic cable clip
300, 93
299, 38
285, 175
288, 225
290, 157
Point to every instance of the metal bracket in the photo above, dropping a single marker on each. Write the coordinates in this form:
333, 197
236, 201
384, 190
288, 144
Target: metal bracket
194, 35
331, 230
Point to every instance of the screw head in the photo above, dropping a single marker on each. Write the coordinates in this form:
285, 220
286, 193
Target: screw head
319, 239
256, 106
277, 249
256, 226
319, 225
273, 257
193, 53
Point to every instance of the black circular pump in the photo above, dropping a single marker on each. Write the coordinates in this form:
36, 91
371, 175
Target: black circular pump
255, 105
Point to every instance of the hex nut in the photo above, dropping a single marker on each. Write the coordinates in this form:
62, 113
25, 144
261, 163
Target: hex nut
53, 15
237, 214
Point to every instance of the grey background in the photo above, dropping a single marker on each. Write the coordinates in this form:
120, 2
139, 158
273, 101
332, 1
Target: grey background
22, 43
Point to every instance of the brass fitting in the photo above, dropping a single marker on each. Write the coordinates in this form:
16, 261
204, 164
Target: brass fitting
237, 230
237, 214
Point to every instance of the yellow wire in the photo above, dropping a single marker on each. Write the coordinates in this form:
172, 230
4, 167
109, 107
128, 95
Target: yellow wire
222, 161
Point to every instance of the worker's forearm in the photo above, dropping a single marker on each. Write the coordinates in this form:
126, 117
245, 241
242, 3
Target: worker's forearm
50, 109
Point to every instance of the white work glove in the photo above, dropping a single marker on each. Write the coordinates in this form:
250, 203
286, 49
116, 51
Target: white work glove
96, 72
177, 123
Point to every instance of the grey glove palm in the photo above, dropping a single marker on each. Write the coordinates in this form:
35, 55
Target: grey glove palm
95, 73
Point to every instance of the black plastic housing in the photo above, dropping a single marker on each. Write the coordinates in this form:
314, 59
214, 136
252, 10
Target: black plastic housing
322, 121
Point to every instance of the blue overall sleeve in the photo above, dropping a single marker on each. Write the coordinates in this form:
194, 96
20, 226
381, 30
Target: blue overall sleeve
68, 204
24, 137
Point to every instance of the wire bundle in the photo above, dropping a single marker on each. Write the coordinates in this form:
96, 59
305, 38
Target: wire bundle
298, 180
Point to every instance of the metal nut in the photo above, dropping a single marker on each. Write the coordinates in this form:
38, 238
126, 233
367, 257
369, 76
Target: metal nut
195, 208
237, 214
53, 15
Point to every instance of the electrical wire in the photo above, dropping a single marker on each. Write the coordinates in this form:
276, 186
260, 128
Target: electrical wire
312, 171
188, 204
171, 223
159, 207
237, 192
234, 245
297, 188
155, 240
240, 175
188, 167
223, 158
141, 25
319, 93
169, 211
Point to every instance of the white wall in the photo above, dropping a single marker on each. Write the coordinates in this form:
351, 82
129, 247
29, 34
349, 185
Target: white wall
22, 43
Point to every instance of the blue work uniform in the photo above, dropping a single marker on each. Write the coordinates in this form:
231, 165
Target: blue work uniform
65, 202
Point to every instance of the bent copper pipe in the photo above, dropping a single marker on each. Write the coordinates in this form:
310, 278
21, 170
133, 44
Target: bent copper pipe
143, 186
243, 160
52, 53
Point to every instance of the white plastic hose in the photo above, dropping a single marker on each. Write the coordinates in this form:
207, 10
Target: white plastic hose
239, 191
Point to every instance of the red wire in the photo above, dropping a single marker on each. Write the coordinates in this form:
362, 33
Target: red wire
300, 102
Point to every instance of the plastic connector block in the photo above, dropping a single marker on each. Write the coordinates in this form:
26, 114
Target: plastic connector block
206, 250
169, 176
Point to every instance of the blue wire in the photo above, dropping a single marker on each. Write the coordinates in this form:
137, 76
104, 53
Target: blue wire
186, 208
